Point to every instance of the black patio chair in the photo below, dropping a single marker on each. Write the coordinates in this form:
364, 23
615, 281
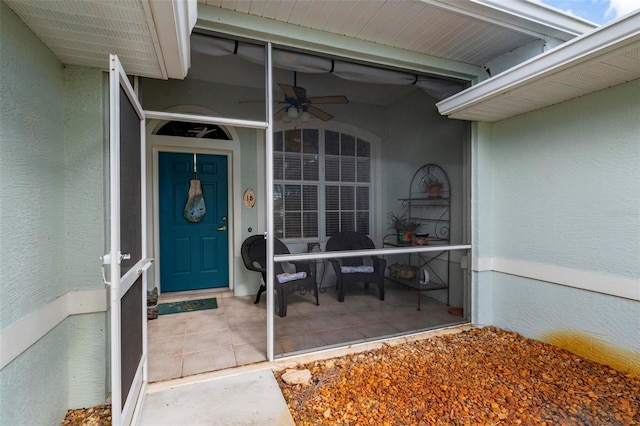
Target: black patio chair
254, 256
351, 270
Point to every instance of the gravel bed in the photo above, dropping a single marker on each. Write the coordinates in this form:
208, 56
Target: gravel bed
100, 415
483, 376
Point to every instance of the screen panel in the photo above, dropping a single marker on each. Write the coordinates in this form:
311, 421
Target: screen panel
130, 183
131, 332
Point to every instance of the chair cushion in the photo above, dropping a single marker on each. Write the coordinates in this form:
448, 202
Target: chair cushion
356, 269
283, 278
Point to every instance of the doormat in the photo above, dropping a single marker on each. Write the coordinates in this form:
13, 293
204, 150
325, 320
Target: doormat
187, 306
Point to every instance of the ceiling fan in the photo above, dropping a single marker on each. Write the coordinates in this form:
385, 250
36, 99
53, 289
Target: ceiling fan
297, 104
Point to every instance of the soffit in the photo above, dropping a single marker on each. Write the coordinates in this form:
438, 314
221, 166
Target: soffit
84, 33
468, 32
151, 38
595, 61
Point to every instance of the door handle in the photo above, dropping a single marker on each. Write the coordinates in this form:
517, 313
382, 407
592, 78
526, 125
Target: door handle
222, 228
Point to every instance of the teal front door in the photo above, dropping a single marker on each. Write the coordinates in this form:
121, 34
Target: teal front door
193, 256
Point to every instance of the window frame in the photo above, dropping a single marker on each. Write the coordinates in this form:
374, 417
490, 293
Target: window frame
373, 184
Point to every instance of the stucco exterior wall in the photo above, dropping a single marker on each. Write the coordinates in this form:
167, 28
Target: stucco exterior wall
88, 358
564, 191
85, 154
31, 171
31, 220
35, 386
51, 231
85, 166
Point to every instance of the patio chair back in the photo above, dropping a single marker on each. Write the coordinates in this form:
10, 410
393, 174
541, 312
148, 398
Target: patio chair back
349, 240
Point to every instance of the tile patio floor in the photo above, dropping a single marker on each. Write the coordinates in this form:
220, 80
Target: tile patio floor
235, 334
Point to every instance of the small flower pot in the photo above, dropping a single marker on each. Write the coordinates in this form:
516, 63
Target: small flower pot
420, 238
434, 190
405, 237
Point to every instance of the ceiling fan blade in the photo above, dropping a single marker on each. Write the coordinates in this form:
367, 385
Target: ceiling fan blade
289, 91
338, 99
317, 112
278, 115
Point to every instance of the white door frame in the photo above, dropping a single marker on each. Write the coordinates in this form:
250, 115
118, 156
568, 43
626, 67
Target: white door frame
119, 285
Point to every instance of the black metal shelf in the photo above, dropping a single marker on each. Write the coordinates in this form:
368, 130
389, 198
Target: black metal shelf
433, 211
414, 284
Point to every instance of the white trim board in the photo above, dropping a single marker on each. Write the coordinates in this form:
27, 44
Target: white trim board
18, 337
613, 285
606, 47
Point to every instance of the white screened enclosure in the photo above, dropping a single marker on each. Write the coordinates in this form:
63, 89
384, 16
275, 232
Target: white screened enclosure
343, 142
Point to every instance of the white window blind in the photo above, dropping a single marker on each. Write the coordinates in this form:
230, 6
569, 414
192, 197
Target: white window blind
315, 167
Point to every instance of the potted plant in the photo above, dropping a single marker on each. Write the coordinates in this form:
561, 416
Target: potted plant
403, 226
434, 187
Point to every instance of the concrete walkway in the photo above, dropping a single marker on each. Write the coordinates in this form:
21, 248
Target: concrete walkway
249, 398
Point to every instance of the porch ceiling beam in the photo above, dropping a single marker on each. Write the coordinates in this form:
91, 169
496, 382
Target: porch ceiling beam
245, 26
194, 118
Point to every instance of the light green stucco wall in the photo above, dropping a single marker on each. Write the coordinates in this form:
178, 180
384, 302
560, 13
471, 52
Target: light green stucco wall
566, 181
561, 186
31, 172
51, 232
85, 153
35, 385
88, 358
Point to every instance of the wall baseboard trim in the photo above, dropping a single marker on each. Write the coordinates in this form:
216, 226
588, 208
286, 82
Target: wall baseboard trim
613, 285
18, 337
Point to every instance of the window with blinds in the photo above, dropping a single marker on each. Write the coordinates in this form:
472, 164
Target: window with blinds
314, 168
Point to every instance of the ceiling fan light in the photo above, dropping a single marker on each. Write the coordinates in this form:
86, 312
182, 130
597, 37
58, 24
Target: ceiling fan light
305, 116
292, 112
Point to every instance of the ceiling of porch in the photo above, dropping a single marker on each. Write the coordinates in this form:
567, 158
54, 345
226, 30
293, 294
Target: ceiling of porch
469, 32
84, 32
